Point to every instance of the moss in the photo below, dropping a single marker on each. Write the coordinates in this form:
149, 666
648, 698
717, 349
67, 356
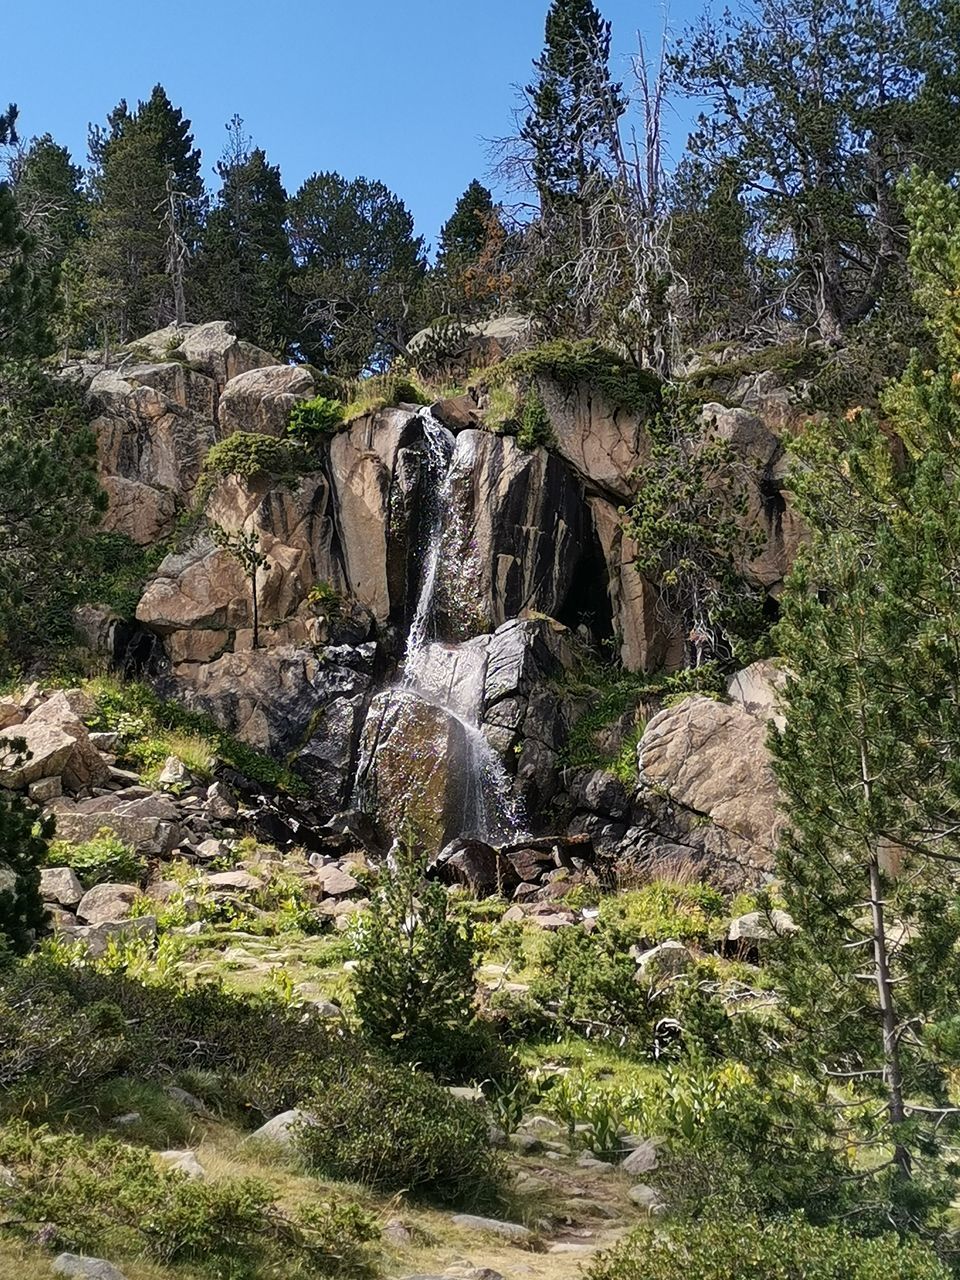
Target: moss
791, 359
380, 392
246, 455
621, 384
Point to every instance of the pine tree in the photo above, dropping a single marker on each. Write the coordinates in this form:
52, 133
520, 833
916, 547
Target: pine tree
573, 103
136, 161
870, 637
245, 264
821, 105
360, 273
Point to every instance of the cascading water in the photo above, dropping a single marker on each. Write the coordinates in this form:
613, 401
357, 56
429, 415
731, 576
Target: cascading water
490, 810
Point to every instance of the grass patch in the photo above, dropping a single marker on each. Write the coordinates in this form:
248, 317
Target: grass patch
141, 717
567, 363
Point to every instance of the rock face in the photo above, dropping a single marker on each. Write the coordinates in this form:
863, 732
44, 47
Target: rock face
150, 449
287, 702
711, 759
261, 399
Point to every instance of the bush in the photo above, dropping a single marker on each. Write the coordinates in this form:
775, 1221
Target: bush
260, 1050
22, 848
661, 911
320, 416
788, 1249
103, 860
415, 980
104, 1197
535, 427
246, 455
394, 1129
569, 363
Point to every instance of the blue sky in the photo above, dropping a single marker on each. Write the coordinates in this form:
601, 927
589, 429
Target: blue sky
404, 92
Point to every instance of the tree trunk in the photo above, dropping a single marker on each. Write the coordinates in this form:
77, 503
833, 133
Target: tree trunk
256, 610
891, 1049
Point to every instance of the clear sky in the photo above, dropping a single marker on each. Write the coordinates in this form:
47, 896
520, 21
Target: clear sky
401, 91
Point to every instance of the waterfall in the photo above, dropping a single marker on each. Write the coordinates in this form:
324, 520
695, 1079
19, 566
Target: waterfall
490, 809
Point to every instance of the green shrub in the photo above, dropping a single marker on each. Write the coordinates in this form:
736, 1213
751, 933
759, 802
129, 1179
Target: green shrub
415, 980
247, 455
104, 859
22, 849
588, 985
535, 426
104, 1197
785, 1249
569, 363
117, 570
314, 418
661, 911
394, 1129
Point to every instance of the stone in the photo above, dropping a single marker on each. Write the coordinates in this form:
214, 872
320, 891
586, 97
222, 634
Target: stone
45, 789
196, 645
107, 903
96, 938
217, 351
530, 864
260, 401
72, 1264
758, 688
234, 881
220, 804
506, 1230
642, 1159
759, 926
61, 885
47, 748
645, 1197
184, 1162
336, 882
712, 758
281, 1129
174, 773
143, 833
11, 713
184, 1099
208, 850
602, 444
668, 960
478, 867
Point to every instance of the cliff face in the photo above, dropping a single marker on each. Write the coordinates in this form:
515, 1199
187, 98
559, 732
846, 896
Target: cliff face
526, 557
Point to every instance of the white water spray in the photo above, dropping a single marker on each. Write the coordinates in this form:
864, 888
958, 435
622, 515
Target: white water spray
490, 810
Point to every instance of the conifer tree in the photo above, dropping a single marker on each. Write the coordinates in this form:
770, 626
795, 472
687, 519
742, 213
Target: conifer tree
360, 273
870, 637
136, 160
573, 102
245, 264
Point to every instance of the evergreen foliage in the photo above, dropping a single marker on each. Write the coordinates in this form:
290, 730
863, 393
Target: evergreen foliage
245, 265
360, 270
415, 980
572, 101
138, 162
23, 837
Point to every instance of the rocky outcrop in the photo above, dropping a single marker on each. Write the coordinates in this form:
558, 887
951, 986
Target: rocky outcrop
293, 705
261, 399
711, 759
603, 445
150, 449
212, 349
517, 538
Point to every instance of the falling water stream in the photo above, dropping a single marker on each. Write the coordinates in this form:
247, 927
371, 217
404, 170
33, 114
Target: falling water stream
490, 810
